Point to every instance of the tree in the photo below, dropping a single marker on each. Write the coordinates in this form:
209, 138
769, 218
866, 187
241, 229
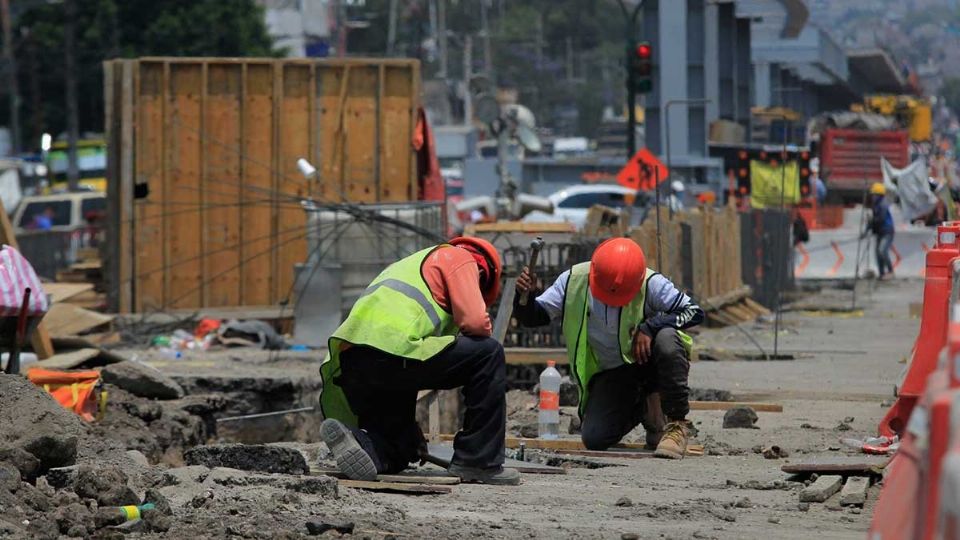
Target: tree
108, 29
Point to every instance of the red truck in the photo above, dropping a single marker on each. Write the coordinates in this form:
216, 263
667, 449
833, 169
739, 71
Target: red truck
850, 159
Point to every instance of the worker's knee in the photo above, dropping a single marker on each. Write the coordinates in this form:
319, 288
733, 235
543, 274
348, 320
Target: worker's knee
595, 436
668, 345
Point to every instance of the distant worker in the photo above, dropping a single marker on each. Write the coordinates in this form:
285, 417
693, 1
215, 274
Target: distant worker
881, 225
676, 196
818, 185
623, 327
421, 324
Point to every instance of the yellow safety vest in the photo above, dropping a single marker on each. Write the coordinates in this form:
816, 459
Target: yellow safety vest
398, 315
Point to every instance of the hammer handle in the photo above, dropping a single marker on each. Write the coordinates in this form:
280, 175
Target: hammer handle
534, 255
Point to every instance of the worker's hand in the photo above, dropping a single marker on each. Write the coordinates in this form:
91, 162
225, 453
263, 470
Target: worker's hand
525, 282
641, 346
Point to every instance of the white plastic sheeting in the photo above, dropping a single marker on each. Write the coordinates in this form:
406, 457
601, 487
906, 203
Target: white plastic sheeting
911, 187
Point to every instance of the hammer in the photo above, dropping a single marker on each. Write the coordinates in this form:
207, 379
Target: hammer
535, 246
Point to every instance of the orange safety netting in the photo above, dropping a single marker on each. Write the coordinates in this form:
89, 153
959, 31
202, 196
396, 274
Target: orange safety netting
72, 389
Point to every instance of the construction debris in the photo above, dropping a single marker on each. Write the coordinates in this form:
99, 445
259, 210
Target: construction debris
854, 492
822, 489
740, 417
261, 458
142, 380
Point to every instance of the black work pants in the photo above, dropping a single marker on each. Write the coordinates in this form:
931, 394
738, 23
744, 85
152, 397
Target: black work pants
382, 391
616, 402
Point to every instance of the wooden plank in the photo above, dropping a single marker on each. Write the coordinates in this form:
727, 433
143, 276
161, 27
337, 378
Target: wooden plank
692, 450
221, 166
442, 478
257, 178
69, 360
519, 226
756, 306
397, 110
524, 356
70, 320
294, 144
187, 194
726, 298
396, 487
61, 292
360, 117
124, 249
849, 465
151, 169
725, 405
329, 81
441, 454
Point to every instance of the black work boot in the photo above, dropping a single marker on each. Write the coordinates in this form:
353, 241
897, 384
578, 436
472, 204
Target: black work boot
497, 476
352, 459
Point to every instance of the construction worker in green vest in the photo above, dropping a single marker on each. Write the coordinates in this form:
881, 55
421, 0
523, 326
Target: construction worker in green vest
623, 325
422, 324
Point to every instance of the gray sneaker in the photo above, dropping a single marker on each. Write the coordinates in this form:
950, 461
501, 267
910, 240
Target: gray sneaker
499, 476
352, 459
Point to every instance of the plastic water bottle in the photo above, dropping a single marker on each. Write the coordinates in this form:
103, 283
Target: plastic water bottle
550, 402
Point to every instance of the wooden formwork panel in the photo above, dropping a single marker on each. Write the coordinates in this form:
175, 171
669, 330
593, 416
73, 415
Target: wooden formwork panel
212, 145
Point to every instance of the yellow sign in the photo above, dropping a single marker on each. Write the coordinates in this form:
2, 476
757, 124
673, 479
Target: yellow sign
766, 181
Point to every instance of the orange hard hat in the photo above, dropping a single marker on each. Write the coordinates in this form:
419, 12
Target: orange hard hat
617, 269
488, 259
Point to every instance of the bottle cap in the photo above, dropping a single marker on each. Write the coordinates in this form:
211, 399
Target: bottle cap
551, 363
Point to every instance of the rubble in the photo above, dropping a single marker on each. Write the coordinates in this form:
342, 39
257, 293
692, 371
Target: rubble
740, 417
141, 380
822, 489
37, 425
262, 458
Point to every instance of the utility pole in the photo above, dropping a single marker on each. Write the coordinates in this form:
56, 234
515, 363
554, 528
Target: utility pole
442, 37
629, 37
487, 47
70, 72
467, 75
391, 27
13, 86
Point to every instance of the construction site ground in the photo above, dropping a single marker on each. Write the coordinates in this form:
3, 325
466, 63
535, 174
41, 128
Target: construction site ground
845, 365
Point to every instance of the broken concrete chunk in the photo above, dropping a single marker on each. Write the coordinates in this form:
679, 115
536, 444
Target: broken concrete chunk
248, 457
24, 461
107, 485
34, 422
822, 489
62, 477
142, 380
624, 501
315, 528
740, 417
9, 477
854, 492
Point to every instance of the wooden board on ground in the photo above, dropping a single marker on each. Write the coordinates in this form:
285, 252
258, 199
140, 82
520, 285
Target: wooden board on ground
524, 355
69, 360
443, 453
69, 320
725, 405
61, 292
396, 487
439, 478
856, 465
692, 450
518, 226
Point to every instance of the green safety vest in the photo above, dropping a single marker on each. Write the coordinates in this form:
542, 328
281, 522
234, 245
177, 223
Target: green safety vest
396, 314
580, 356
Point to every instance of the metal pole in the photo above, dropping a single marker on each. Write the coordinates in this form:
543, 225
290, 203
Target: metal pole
442, 35
391, 26
467, 74
629, 31
666, 112
487, 46
780, 250
70, 72
656, 176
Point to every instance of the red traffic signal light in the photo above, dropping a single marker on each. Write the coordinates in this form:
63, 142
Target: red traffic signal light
643, 51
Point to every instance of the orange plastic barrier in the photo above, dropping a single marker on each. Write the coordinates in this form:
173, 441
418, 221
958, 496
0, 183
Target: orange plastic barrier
72, 389
933, 330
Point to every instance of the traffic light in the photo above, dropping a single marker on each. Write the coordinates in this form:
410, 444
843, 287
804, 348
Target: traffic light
641, 67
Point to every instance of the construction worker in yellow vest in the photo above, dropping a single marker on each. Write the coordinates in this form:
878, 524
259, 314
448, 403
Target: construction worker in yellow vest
422, 324
623, 325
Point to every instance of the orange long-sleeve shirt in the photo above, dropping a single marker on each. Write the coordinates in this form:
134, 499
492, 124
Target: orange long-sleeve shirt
454, 280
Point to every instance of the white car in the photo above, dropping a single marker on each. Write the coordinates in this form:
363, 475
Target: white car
571, 204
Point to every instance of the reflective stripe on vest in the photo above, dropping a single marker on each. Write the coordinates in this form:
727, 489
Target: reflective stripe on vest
410, 292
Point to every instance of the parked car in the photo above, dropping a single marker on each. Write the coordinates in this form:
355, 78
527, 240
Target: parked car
571, 204
66, 212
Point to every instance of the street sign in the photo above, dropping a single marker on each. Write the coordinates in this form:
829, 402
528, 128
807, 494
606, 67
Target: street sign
640, 172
